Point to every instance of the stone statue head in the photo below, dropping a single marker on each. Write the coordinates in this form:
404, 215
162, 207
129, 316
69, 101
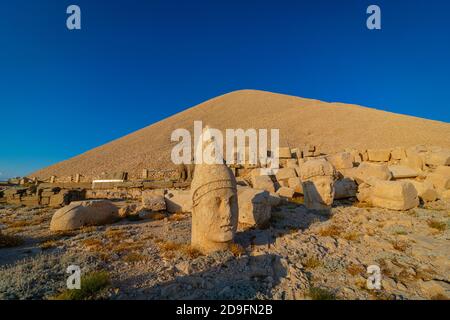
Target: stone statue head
215, 207
318, 178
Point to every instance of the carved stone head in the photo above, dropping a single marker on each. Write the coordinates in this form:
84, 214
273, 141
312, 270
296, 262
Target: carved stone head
318, 178
215, 207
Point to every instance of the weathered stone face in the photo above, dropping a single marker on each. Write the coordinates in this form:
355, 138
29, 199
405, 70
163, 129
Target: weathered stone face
319, 192
215, 208
318, 184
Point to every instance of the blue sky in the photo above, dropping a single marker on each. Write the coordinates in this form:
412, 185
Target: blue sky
136, 62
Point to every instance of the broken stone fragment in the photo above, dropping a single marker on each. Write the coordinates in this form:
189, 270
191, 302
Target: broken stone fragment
296, 184
84, 213
439, 181
441, 158
178, 201
413, 160
153, 200
345, 188
379, 155
367, 170
394, 195
263, 182
400, 172
342, 160
127, 210
286, 192
425, 190
285, 173
254, 207
398, 153
284, 153
318, 178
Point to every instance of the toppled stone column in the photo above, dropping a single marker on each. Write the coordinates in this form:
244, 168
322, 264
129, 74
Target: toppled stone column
214, 207
318, 178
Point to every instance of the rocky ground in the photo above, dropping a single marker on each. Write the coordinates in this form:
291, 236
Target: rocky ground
302, 254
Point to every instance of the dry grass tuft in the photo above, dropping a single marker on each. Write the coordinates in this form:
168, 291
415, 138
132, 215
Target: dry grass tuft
312, 263
351, 236
355, 269
321, 294
169, 248
236, 249
91, 285
49, 244
133, 257
158, 216
400, 245
440, 226
177, 217
331, 231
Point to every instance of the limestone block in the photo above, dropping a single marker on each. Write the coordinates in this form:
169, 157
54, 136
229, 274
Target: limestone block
296, 184
60, 199
379, 155
345, 188
441, 158
445, 195
413, 160
128, 210
284, 153
400, 172
394, 195
285, 173
398, 153
254, 207
425, 190
342, 160
286, 192
153, 200
291, 163
439, 182
367, 170
443, 171
178, 201
84, 213
263, 183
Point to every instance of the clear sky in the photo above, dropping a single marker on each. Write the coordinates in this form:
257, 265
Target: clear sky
136, 62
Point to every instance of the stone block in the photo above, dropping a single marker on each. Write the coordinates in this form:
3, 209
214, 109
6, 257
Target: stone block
254, 207
296, 185
263, 183
367, 170
285, 173
284, 153
178, 201
441, 158
379, 155
398, 153
401, 172
153, 200
425, 190
342, 160
286, 192
84, 213
345, 188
